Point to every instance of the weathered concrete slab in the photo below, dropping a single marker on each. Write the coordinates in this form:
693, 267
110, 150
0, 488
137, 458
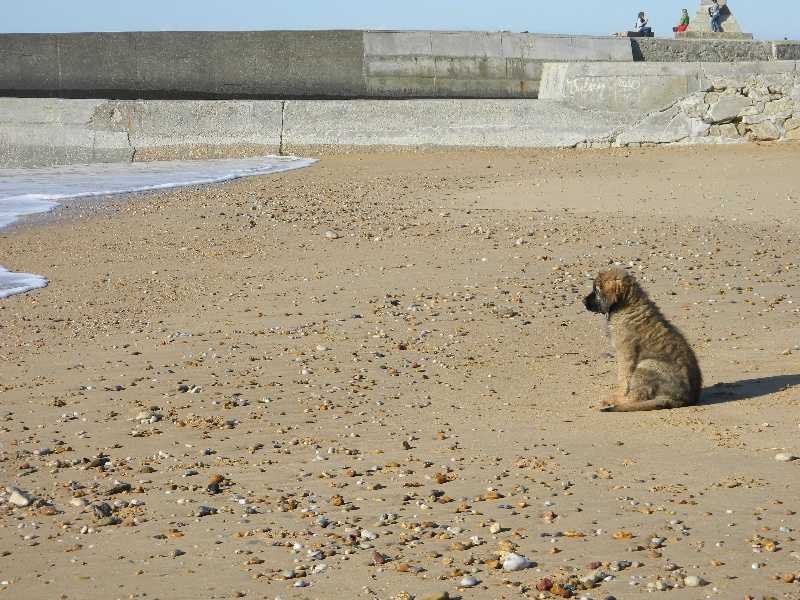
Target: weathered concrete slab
472, 64
379, 125
237, 64
644, 87
40, 131
627, 88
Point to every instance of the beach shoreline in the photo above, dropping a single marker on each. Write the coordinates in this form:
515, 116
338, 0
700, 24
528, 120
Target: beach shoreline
374, 377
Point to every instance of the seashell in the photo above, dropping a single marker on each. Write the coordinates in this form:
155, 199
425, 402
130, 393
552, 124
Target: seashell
468, 581
515, 562
623, 535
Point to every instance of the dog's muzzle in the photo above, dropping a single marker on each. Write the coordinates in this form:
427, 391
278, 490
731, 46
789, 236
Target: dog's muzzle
590, 302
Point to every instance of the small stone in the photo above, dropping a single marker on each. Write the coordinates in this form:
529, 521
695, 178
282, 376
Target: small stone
495, 528
694, 581
437, 596
332, 235
102, 510
515, 562
785, 457
18, 497
468, 581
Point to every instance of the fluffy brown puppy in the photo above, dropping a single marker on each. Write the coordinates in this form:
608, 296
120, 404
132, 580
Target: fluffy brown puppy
657, 367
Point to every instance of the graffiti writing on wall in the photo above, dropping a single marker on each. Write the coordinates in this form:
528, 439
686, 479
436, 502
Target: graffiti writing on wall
597, 88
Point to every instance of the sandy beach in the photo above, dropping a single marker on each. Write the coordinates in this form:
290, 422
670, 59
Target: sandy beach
374, 378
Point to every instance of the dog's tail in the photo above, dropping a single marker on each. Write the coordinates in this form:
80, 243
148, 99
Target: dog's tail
656, 403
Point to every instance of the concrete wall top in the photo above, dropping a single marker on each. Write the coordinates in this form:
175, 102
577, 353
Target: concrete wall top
495, 43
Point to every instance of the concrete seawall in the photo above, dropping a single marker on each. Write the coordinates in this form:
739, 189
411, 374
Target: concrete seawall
290, 64
199, 95
582, 104
345, 64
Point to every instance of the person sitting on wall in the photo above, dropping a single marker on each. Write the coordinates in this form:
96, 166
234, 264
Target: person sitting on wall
713, 12
684, 21
641, 26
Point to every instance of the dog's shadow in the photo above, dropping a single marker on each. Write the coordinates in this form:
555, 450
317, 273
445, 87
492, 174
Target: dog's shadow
746, 388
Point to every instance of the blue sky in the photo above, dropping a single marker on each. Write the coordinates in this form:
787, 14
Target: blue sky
766, 19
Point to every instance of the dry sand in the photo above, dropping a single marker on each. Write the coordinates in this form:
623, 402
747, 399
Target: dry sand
215, 397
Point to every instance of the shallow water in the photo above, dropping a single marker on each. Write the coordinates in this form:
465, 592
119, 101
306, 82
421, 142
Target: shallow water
26, 191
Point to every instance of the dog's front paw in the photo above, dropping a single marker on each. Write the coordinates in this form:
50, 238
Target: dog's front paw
612, 400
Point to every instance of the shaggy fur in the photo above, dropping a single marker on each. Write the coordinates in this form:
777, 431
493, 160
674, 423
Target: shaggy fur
657, 367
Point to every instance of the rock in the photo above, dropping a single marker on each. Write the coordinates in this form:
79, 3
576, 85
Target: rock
332, 235
468, 581
794, 134
766, 131
437, 596
785, 457
515, 562
18, 497
727, 108
102, 510
694, 581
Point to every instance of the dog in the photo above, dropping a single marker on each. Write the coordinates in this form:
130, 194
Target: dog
657, 367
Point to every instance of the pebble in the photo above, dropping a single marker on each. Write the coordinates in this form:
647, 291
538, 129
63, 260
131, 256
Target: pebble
468, 581
785, 457
332, 235
515, 562
18, 497
437, 596
694, 581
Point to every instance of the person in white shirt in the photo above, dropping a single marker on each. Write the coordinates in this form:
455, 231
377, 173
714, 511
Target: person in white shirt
641, 25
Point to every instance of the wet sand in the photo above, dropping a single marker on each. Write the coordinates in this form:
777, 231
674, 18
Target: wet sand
374, 377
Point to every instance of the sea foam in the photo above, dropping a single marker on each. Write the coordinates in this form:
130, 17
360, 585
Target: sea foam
25, 191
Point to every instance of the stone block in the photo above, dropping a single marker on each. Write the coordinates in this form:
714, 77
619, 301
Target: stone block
694, 106
727, 108
782, 107
765, 131
663, 127
728, 130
